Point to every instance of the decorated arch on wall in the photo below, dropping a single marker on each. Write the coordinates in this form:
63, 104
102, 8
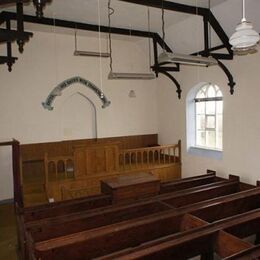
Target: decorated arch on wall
57, 91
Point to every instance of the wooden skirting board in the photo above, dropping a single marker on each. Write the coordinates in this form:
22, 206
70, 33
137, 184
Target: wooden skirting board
202, 215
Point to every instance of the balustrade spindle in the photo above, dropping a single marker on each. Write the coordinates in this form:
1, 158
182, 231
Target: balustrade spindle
145, 157
135, 159
124, 156
142, 159
130, 159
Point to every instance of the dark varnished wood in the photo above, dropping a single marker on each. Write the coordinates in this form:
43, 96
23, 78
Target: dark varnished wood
37, 150
51, 227
192, 243
129, 233
250, 253
128, 188
65, 207
200, 220
188, 182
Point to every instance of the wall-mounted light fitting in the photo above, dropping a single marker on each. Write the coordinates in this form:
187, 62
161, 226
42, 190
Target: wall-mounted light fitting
169, 57
118, 75
183, 59
91, 54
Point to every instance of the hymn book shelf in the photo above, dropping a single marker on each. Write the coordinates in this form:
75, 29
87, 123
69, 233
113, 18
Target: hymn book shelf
200, 215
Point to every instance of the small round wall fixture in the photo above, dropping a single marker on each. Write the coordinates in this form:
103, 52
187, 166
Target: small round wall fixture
132, 94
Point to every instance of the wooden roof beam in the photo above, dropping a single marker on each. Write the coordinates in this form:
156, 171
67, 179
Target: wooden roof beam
4, 2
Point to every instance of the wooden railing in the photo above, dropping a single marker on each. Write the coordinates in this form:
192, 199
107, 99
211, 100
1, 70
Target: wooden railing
162, 161
150, 156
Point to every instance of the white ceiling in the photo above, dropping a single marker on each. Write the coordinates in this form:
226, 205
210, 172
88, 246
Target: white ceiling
228, 13
126, 15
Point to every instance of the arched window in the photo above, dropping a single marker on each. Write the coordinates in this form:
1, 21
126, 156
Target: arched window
209, 117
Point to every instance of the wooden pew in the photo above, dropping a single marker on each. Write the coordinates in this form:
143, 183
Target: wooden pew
204, 241
52, 218
81, 204
53, 210
35, 213
204, 192
53, 227
86, 219
250, 253
133, 232
101, 241
190, 182
65, 207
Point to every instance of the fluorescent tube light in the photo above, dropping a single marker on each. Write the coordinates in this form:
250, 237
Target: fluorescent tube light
91, 54
169, 57
117, 75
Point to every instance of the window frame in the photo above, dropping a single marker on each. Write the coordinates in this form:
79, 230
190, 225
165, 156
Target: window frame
206, 115
191, 121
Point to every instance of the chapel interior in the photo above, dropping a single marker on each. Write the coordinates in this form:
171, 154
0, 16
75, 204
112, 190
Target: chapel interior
129, 129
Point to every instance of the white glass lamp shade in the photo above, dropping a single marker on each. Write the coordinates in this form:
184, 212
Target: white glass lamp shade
245, 38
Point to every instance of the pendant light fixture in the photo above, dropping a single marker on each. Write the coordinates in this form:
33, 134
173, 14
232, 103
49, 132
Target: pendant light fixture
120, 75
245, 39
166, 58
39, 5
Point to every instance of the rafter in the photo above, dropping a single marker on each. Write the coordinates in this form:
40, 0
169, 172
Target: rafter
171, 6
79, 26
208, 18
4, 2
207, 15
12, 35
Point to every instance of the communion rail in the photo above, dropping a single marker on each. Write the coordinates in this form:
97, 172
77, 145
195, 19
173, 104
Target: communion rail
150, 156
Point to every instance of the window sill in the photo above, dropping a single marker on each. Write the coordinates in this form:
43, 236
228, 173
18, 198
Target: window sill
205, 152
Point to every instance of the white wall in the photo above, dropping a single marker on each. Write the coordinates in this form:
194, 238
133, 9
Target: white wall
241, 138
47, 61
241, 146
